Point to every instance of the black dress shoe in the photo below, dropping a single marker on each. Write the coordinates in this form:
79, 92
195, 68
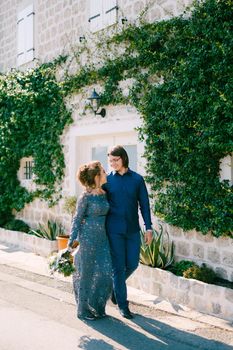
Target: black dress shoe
126, 313
113, 299
87, 316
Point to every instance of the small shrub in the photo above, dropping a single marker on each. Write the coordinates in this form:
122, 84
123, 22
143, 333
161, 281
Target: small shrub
180, 267
17, 225
201, 273
70, 204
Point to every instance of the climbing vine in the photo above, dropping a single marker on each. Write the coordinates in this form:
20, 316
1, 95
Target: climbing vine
180, 75
32, 118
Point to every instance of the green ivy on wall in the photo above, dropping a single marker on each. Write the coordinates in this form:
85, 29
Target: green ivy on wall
181, 83
32, 119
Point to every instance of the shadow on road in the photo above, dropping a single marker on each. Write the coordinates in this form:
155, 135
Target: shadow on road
145, 333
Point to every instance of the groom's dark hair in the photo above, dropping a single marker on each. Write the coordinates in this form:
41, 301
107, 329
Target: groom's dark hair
119, 151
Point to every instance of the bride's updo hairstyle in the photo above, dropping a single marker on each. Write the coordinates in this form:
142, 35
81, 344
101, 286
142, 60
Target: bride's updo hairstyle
87, 172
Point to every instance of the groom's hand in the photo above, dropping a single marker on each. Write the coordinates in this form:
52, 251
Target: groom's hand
148, 236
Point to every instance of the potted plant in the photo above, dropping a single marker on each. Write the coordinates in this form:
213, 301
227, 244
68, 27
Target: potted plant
49, 231
69, 207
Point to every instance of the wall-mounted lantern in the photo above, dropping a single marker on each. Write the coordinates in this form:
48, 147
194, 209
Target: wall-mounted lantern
94, 104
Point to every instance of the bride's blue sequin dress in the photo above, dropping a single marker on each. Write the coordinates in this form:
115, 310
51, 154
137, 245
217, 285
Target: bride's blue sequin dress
92, 280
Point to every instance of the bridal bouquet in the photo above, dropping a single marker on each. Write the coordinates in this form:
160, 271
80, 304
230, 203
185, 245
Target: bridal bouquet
62, 262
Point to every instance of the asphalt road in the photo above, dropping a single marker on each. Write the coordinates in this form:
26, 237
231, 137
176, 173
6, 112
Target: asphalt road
39, 313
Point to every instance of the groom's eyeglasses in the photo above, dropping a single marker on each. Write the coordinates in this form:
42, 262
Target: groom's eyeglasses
114, 160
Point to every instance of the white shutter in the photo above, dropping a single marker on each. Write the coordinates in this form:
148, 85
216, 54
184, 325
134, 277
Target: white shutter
109, 12
29, 38
20, 38
25, 38
96, 15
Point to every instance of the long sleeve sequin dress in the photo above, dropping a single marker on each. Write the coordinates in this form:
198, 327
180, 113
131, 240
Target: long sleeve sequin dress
92, 280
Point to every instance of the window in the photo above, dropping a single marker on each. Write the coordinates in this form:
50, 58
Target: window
25, 171
25, 35
28, 170
226, 169
25, 174
103, 13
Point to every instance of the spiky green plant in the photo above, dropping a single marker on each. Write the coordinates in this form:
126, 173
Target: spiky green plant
160, 252
49, 231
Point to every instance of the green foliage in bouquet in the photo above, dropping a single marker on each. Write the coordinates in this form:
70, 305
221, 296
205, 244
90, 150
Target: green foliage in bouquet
62, 263
50, 231
159, 253
201, 273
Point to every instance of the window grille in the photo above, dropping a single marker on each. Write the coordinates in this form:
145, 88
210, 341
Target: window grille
28, 170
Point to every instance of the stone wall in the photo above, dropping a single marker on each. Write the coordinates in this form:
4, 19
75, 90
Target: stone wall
36, 245
216, 253
60, 23
203, 297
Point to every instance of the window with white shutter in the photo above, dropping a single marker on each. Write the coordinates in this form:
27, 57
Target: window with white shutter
96, 15
25, 38
109, 12
103, 13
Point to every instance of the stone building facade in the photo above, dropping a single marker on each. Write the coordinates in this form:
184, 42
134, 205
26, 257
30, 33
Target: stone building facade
37, 31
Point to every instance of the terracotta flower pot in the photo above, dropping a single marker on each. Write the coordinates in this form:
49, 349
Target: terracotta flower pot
62, 242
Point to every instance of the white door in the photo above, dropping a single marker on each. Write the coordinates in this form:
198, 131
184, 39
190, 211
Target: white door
95, 147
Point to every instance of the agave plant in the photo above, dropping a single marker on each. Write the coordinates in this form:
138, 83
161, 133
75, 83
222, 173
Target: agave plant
50, 231
160, 252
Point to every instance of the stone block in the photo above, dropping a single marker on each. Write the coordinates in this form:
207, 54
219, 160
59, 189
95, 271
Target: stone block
204, 238
145, 271
156, 14
222, 242
228, 293
163, 276
190, 234
145, 284
227, 258
182, 297
183, 248
199, 303
184, 283
213, 255
197, 287
170, 9
216, 308
38, 216
156, 288
168, 293
174, 231
227, 310
213, 292
198, 251
138, 7
174, 281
